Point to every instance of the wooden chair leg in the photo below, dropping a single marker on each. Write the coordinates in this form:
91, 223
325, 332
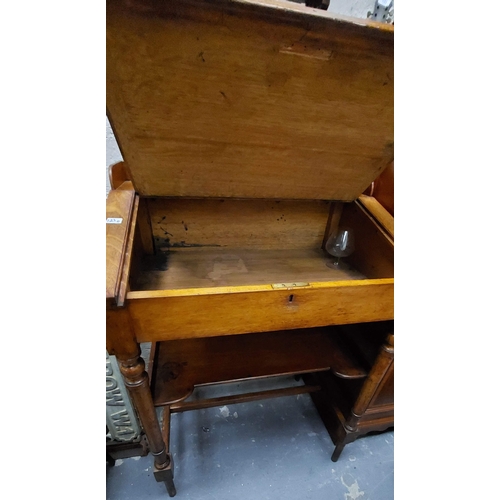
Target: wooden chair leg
167, 474
137, 383
337, 451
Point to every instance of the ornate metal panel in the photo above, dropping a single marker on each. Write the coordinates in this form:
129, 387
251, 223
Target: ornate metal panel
121, 420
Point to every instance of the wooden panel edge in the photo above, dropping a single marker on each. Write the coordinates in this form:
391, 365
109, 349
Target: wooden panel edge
125, 274
168, 318
119, 204
379, 213
185, 292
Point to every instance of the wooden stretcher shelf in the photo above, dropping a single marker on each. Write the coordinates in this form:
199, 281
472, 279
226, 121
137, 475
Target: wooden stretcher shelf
182, 365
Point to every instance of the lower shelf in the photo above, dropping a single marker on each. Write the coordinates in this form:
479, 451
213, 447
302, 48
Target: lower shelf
181, 365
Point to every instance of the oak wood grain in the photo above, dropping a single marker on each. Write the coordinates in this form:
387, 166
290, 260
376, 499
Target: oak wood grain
118, 174
182, 365
119, 204
383, 188
203, 268
179, 224
374, 249
239, 99
172, 314
382, 215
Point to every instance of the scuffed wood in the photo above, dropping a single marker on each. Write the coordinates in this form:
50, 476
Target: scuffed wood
225, 223
385, 219
170, 317
119, 204
238, 99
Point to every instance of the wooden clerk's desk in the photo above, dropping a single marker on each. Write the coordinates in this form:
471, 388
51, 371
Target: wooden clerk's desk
249, 131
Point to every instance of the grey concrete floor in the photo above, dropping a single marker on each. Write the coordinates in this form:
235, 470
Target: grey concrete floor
271, 449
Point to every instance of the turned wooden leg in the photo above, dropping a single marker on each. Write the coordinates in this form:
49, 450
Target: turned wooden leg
337, 451
382, 364
137, 382
167, 474
346, 437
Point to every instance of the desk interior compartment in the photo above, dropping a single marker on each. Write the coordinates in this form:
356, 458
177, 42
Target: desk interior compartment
205, 243
247, 138
243, 259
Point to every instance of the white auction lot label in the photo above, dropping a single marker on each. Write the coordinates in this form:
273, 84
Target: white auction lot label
114, 220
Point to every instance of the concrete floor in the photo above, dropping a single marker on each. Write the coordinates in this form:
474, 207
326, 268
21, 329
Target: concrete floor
271, 449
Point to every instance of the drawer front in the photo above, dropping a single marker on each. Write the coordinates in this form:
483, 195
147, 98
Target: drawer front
204, 315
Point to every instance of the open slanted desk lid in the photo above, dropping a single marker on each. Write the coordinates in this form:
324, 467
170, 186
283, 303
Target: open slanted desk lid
248, 98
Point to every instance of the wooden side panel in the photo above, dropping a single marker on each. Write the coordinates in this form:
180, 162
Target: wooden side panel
385, 393
118, 174
374, 250
248, 99
383, 189
120, 336
205, 315
226, 223
385, 219
119, 205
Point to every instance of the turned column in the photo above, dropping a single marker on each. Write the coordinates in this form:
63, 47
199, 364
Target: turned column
373, 382
368, 392
137, 382
121, 342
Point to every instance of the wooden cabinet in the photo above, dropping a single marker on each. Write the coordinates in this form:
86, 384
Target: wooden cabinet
249, 131
352, 407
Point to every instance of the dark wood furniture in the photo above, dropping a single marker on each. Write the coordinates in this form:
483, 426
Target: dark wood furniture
352, 407
249, 131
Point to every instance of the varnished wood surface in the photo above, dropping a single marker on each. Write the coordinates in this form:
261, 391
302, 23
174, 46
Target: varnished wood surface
137, 382
180, 365
226, 223
242, 398
238, 99
234, 243
364, 340
383, 188
384, 395
385, 219
119, 204
173, 314
120, 335
351, 408
204, 268
374, 249
118, 174
244, 99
